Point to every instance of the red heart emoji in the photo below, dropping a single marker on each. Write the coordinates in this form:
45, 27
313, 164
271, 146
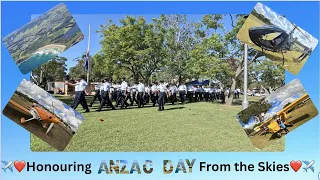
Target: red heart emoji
296, 165
19, 165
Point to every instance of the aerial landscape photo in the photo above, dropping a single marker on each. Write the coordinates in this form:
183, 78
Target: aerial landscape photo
43, 38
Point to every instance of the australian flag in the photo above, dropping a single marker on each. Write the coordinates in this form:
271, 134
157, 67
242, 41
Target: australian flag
86, 61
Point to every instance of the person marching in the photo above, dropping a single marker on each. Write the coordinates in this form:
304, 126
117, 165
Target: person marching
211, 93
162, 92
80, 94
113, 92
147, 94
154, 93
182, 92
102, 90
201, 93
117, 88
97, 94
106, 96
134, 94
173, 93
196, 93
190, 93
76, 94
238, 93
141, 93
129, 96
124, 91
206, 93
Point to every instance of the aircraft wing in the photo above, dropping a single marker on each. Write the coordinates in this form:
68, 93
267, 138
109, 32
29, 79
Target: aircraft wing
4, 162
10, 169
306, 162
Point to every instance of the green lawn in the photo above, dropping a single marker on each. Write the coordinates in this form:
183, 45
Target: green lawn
194, 127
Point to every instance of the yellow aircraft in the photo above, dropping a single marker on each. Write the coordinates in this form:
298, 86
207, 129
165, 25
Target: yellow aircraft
271, 125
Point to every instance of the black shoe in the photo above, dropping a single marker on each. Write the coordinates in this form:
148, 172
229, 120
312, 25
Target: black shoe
87, 111
98, 110
162, 108
90, 105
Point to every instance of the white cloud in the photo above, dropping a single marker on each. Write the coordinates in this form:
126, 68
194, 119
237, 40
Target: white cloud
66, 113
286, 91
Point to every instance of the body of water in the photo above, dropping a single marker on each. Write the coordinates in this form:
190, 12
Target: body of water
36, 60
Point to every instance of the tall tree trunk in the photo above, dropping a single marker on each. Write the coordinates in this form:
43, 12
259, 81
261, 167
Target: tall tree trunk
136, 77
180, 78
233, 87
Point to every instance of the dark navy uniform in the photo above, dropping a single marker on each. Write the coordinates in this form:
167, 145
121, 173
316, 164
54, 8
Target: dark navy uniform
173, 93
162, 93
123, 95
106, 98
80, 95
97, 89
182, 92
141, 92
154, 94
134, 94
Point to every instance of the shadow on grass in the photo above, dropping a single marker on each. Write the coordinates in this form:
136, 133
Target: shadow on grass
69, 101
301, 118
273, 137
174, 108
239, 102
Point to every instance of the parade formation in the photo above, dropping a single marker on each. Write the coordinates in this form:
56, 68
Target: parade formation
123, 94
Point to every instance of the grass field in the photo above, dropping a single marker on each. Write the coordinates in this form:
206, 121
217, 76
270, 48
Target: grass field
290, 65
193, 127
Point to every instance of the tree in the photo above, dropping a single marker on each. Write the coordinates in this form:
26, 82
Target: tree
179, 42
267, 76
254, 110
134, 46
236, 52
95, 71
53, 70
207, 56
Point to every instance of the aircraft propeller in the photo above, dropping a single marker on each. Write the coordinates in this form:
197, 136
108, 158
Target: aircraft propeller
51, 125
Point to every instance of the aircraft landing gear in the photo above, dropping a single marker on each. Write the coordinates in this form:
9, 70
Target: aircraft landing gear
279, 134
282, 58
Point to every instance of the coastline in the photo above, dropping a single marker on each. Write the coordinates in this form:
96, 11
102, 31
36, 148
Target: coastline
51, 48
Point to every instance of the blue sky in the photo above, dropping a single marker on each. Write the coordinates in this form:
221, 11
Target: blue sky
83, 20
301, 144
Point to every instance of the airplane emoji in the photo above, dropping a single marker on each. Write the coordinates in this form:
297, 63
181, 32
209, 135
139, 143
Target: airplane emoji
309, 165
7, 165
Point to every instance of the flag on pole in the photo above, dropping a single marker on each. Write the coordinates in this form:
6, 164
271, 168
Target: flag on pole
86, 59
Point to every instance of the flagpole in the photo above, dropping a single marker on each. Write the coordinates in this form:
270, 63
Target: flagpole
88, 71
245, 102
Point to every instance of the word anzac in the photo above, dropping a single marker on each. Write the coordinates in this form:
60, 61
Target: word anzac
121, 167
115, 167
